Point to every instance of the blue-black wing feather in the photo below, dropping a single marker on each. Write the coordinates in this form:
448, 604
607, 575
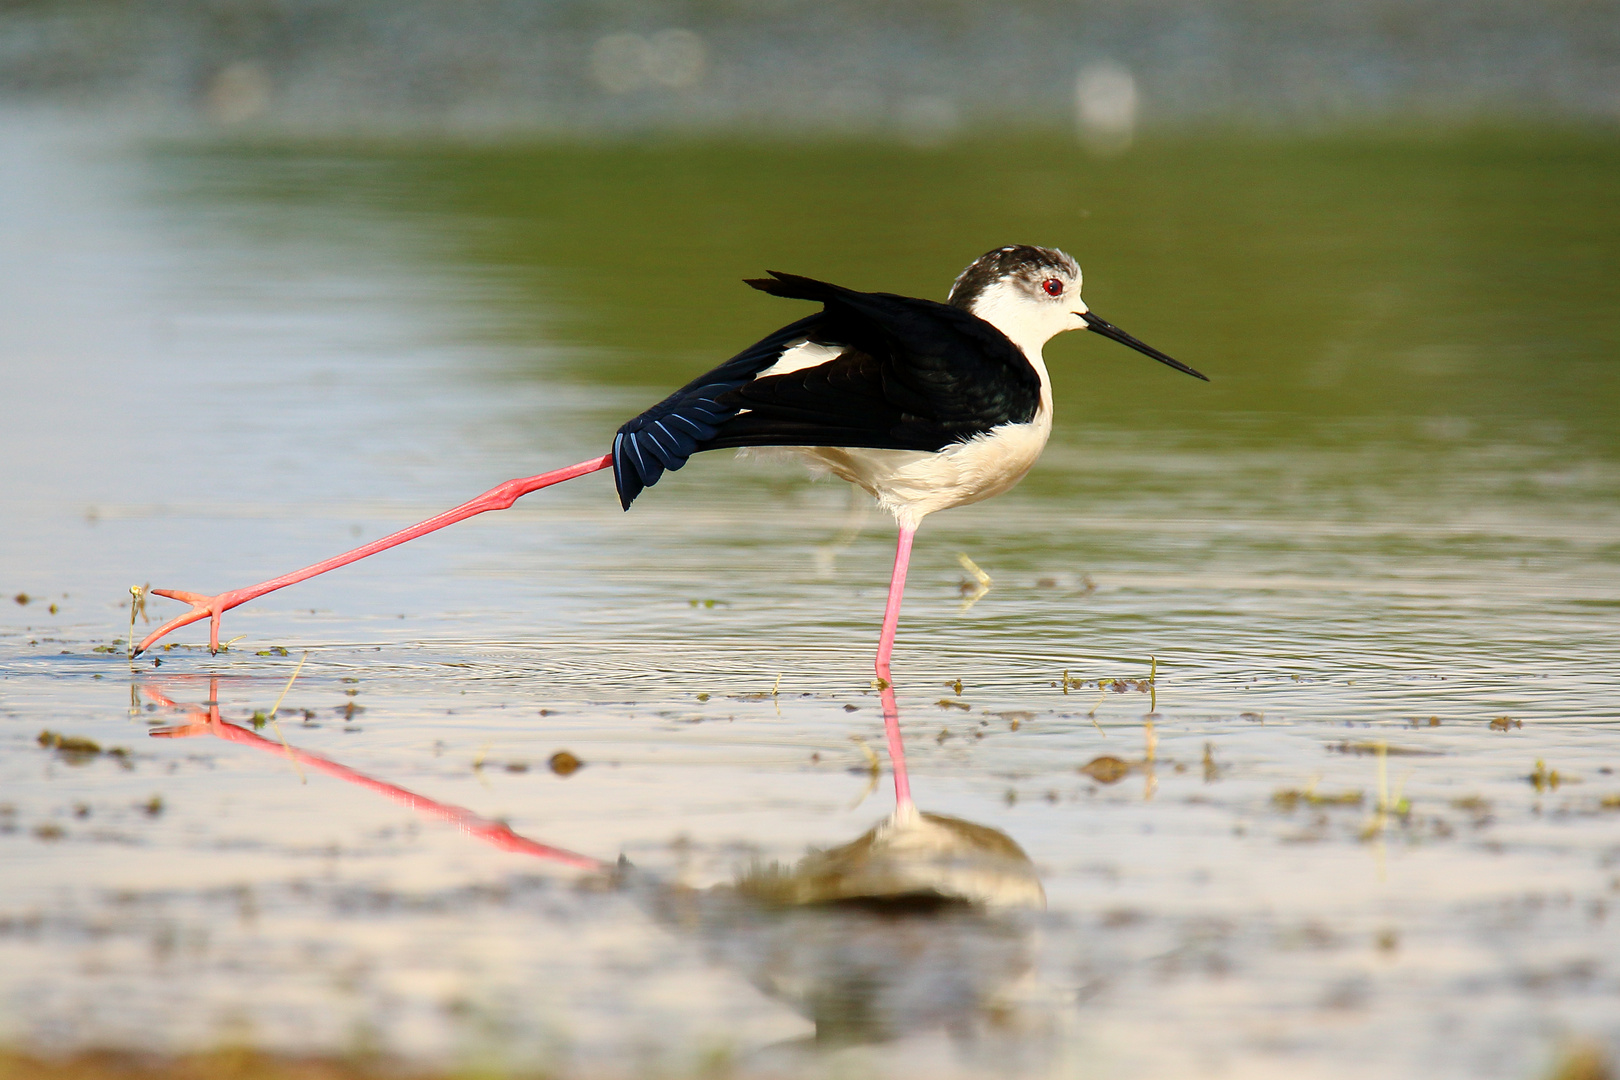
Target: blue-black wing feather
912, 375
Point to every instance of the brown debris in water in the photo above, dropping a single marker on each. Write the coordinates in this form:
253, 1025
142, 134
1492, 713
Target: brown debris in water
565, 764
1107, 769
1504, 723
1585, 1061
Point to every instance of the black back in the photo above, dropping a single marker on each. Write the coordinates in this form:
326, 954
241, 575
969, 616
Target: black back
914, 375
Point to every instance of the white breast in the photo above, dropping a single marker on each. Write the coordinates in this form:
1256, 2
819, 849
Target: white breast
912, 484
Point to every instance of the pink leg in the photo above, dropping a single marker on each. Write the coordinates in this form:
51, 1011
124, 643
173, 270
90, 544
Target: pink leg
496, 498
891, 711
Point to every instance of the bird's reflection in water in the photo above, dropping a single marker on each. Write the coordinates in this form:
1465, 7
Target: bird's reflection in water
924, 923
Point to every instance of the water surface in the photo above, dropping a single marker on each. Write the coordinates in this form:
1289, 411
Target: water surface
1376, 559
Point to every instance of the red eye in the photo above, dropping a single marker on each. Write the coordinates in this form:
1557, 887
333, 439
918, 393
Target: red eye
1053, 286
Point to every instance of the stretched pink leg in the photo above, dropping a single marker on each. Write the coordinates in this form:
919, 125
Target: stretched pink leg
891, 711
496, 498
205, 720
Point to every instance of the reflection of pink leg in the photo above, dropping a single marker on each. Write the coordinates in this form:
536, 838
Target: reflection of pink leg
496, 498
891, 712
205, 720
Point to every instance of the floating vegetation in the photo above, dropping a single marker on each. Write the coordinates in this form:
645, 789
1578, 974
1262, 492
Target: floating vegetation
1505, 723
73, 749
1545, 779
1148, 685
947, 703
1291, 798
274, 650
1363, 749
564, 764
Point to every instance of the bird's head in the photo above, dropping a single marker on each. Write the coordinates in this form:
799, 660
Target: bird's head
1032, 294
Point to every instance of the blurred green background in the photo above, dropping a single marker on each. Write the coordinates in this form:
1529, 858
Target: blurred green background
1460, 279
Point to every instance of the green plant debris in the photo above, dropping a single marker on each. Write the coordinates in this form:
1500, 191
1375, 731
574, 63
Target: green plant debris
972, 591
74, 749
1291, 798
1363, 749
710, 603
274, 650
947, 703
1545, 779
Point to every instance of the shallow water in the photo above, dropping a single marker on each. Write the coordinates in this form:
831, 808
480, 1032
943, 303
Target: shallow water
1378, 556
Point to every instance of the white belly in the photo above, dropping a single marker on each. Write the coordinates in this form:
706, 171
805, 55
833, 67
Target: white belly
911, 484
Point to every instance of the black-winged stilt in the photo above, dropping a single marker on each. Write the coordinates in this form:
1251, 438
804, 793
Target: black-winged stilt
924, 405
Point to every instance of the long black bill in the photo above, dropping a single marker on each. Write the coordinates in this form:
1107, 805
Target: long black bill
1109, 330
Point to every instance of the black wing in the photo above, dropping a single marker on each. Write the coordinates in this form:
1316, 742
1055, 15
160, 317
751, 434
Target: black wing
913, 375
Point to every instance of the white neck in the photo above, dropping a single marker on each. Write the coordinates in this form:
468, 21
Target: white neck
1028, 326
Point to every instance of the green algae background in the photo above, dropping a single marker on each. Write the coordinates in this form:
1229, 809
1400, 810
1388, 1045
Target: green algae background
1461, 276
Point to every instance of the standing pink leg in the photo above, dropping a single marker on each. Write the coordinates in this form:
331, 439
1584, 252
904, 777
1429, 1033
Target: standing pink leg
496, 498
891, 711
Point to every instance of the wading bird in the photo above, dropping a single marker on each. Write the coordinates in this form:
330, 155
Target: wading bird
923, 405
